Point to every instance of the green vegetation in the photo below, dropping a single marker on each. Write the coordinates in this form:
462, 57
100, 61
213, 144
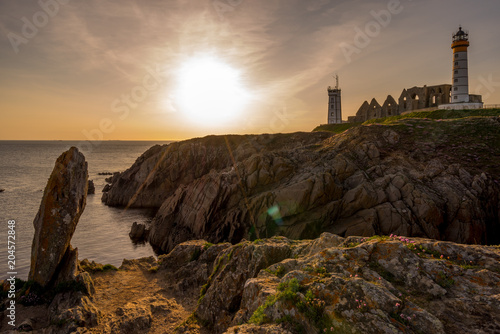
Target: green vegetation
336, 128
207, 245
378, 238
308, 304
108, 267
319, 271
94, 267
287, 291
280, 271
154, 269
196, 255
30, 293
444, 280
423, 252
436, 114
205, 287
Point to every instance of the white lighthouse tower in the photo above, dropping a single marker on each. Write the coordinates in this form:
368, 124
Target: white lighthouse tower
334, 104
460, 90
460, 97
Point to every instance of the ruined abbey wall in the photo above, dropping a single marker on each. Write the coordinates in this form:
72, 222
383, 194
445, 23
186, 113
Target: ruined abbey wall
410, 99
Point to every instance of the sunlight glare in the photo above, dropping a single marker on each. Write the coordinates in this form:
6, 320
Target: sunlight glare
209, 91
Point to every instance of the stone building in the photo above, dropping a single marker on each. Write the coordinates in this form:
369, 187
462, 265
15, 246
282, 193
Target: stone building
454, 96
411, 99
335, 104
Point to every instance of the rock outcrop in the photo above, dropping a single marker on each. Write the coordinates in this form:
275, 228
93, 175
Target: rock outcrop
91, 188
356, 285
62, 204
138, 232
416, 177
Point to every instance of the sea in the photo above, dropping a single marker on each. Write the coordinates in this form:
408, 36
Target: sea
102, 232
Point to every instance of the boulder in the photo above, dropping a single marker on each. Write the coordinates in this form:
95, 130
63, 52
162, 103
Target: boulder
62, 204
138, 232
91, 188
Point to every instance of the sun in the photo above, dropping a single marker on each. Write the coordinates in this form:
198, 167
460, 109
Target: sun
210, 92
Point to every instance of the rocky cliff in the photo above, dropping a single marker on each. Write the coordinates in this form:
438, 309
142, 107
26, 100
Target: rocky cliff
415, 177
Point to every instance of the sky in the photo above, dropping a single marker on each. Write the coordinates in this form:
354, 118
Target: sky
115, 70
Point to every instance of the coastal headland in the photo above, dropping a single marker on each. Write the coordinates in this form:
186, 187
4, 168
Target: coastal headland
390, 226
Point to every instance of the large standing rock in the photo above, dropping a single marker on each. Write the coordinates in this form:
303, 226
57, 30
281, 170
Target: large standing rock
62, 204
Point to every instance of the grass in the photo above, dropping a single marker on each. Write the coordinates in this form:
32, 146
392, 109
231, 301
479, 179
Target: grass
311, 307
287, 291
94, 268
336, 128
436, 114
319, 271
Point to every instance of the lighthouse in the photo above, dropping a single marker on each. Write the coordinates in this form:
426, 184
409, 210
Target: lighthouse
460, 90
460, 97
334, 104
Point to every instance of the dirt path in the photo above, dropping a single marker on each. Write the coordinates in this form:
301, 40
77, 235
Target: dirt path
134, 300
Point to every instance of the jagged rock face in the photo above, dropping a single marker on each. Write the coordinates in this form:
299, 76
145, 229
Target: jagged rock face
419, 178
162, 169
353, 285
62, 204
